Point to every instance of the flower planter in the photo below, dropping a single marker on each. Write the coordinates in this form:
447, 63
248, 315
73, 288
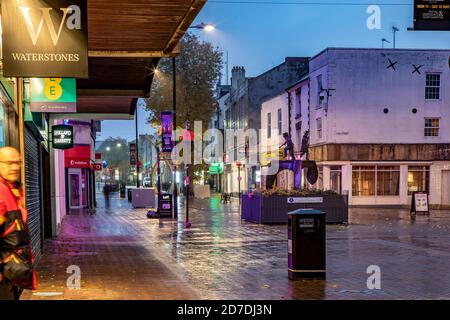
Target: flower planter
273, 209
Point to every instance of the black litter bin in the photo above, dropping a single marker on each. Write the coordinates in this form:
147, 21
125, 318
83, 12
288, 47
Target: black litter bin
129, 194
306, 244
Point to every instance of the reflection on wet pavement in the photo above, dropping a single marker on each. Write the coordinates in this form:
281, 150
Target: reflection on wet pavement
222, 257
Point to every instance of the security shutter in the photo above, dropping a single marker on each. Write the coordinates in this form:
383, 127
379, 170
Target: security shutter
33, 192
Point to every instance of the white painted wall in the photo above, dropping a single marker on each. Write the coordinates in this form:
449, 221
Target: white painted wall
272, 106
365, 86
297, 135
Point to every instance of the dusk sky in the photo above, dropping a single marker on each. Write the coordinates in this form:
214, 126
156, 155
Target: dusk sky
261, 34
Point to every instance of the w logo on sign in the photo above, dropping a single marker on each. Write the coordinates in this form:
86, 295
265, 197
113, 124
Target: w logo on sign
73, 22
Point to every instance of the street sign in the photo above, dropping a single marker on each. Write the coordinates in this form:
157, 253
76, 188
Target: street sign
432, 15
98, 156
53, 95
105, 163
216, 168
166, 131
62, 137
96, 166
44, 38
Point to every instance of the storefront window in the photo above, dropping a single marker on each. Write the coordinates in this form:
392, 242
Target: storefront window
376, 181
363, 181
2, 127
388, 180
336, 179
418, 179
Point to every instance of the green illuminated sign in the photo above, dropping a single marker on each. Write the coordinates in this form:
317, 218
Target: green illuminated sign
53, 95
216, 168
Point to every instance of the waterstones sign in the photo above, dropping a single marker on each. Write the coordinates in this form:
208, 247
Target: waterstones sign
44, 39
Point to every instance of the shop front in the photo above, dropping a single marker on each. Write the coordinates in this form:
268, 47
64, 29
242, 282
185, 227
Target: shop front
78, 176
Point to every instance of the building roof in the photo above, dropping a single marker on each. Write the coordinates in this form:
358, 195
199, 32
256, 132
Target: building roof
126, 41
380, 49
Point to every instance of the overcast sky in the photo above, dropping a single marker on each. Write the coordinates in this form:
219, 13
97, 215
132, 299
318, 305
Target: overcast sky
259, 36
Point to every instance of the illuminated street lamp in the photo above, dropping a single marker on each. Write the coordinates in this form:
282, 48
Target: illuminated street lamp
204, 26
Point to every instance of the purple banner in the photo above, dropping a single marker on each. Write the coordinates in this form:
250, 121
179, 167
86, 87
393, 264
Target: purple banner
133, 158
166, 131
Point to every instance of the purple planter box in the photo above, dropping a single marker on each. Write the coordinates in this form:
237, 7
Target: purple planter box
274, 209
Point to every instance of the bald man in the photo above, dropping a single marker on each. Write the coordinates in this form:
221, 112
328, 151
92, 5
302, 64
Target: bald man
16, 260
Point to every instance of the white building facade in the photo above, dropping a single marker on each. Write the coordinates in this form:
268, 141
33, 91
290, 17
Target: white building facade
379, 122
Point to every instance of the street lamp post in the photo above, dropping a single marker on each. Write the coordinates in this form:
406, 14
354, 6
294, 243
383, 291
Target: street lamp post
174, 111
239, 164
187, 137
137, 150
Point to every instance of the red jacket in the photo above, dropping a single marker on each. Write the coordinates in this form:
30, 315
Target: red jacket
14, 236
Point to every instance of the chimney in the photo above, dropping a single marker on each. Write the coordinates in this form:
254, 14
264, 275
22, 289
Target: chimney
237, 76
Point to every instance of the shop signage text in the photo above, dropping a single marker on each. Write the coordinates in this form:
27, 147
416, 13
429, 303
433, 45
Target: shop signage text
216, 168
305, 200
62, 137
53, 95
432, 15
45, 38
77, 163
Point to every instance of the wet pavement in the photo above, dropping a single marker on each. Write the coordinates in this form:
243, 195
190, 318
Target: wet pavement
124, 255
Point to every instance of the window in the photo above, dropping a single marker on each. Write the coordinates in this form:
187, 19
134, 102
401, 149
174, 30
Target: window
298, 101
336, 179
431, 127
280, 122
227, 119
418, 179
269, 125
388, 180
363, 181
319, 90
376, 181
319, 128
433, 86
319, 183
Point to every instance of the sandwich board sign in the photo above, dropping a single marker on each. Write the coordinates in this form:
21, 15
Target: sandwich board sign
419, 203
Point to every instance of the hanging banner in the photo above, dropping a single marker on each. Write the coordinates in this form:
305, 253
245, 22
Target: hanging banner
62, 137
53, 95
133, 157
166, 131
45, 38
432, 15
